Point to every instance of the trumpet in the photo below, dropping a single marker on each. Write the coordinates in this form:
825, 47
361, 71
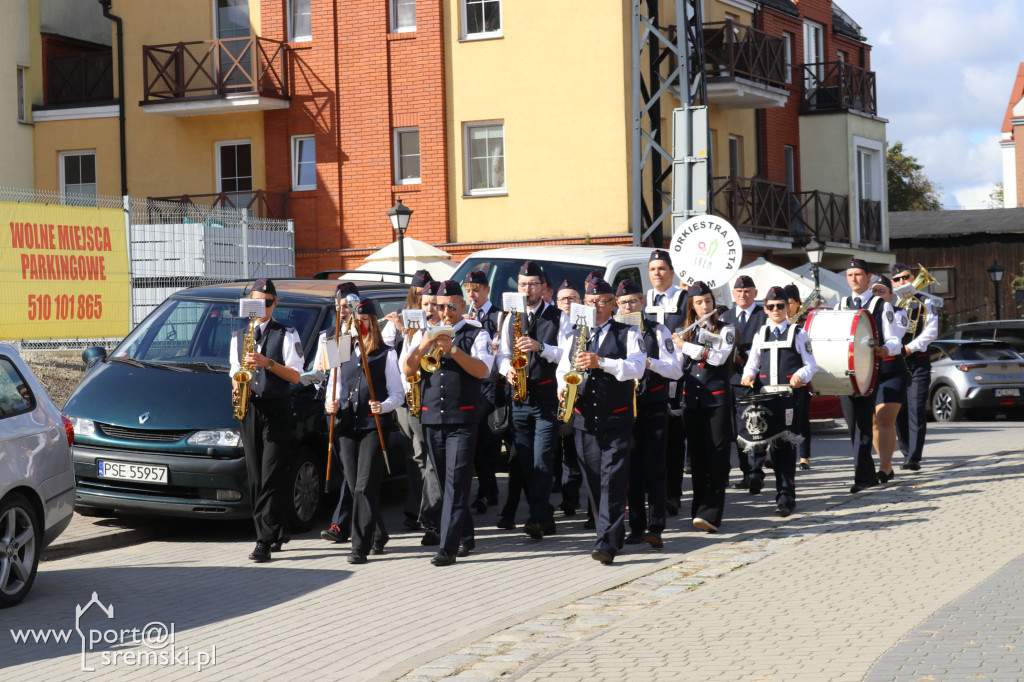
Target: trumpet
431, 360
575, 376
918, 314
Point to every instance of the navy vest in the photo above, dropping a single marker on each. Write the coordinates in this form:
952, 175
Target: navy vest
704, 384
653, 386
450, 395
606, 402
351, 373
745, 334
264, 383
541, 385
673, 320
788, 357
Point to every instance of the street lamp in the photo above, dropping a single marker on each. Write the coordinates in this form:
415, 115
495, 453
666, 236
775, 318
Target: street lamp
399, 216
815, 254
995, 273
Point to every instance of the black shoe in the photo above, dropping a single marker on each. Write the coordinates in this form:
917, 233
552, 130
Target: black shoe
602, 556
550, 528
634, 538
443, 558
431, 538
653, 538
506, 523
465, 547
480, 505
742, 483
911, 466
568, 508
411, 523
805, 465
334, 534
884, 478
860, 487
590, 524
756, 485
378, 548
783, 510
261, 553
356, 558
672, 506
533, 530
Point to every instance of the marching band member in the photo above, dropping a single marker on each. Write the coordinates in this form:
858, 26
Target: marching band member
603, 413
707, 405
391, 333
360, 446
451, 401
746, 317
780, 356
912, 420
872, 418
534, 420
650, 429
567, 461
803, 424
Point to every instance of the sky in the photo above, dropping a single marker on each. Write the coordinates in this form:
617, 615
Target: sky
944, 71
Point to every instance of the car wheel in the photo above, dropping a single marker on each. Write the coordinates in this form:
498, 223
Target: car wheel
306, 491
21, 540
945, 405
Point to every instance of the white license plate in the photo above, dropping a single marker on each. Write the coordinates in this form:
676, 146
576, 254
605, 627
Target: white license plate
1004, 392
146, 473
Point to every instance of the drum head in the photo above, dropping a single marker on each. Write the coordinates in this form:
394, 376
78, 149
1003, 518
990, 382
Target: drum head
863, 363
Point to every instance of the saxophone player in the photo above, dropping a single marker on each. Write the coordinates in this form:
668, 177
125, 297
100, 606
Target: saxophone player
266, 428
603, 414
534, 421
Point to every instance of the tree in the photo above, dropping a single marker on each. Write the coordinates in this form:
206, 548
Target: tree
909, 188
995, 197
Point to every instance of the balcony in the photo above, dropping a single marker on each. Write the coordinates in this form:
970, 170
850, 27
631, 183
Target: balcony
258, 203
79, 79
215, 76
838, 86
870, 221
745, 68
823, 216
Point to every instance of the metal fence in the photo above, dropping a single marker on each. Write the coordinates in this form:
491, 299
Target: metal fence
174, 246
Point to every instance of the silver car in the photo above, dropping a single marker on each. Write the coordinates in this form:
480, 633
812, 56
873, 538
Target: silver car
985, 377
37, 481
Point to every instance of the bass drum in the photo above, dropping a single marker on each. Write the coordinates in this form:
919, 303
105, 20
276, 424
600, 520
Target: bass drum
843, 344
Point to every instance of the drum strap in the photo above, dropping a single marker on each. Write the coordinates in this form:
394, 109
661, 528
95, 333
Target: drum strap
773, 348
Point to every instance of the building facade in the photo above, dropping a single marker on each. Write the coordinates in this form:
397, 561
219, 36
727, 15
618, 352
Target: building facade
1012, 144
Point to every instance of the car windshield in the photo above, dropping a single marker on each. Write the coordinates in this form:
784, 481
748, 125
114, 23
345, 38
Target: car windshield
503, 273
987, 352
190, 331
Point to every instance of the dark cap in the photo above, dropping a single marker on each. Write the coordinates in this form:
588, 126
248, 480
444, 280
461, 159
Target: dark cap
858, 263
475, 277
346, 288
566, 284
594, 274
698, 288
776, 294
660, 254
449, 288
430, 288
367, 306
596, 287
421, 278
883, 280
532, 268
793, 292
627, 287
897, 267
744, 282
265, 286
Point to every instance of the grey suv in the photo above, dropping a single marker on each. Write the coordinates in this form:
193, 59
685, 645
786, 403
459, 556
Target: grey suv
982, 376
1008, 331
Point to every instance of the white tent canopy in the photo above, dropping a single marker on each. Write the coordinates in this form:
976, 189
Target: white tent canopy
767, 275
413, 248
834, 280
418, 256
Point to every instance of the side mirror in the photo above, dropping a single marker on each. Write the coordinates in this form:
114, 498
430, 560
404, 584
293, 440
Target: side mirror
92, 355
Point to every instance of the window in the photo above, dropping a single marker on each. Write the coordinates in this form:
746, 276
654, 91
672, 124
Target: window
15, 395
867, 179
481, 18
813, 50
790, 155
843, 57
735, 156
407, 156
22, 114
300, 22
303, 163
485, 158
787, 55
78, 178
234, 167
403, 15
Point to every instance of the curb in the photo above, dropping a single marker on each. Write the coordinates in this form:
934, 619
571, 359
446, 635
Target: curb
117, 539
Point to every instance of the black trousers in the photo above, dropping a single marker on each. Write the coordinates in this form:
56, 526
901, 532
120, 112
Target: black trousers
860, 415
605, 458
363, 461
647, 468
488, 447
266, 440
535, 429
784, 462
430, 493
415, 462
709, 437
912, 420
516, 483
569, 469
676, 457
451, 448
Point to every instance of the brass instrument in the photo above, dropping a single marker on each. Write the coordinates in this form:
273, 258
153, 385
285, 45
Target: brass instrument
431, 360
243, 377
472, 312
412, 396
519, 359
918, 316
575, 376
635, 320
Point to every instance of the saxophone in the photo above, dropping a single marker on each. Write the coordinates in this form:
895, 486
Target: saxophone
412, 396
575, 376
243, 377
519, 359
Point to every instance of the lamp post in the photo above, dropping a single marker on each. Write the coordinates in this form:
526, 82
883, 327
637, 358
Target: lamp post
815, 254
399, 215
995, 273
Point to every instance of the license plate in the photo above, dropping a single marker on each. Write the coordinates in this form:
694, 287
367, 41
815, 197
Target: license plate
1004, 392
146, 473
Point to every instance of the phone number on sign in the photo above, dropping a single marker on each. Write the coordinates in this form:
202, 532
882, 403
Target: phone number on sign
65, 307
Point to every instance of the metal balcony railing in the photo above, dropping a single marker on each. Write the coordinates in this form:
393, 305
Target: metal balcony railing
823, 216
215, 69
753, 205
838, 86
871, 221
259, 203
735, 50
79, 78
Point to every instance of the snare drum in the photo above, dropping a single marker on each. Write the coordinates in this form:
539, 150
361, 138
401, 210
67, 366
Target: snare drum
843, 343
763, 416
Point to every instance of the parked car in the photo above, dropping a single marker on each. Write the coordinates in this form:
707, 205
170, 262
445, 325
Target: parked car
1008, 331
975, 375
160, 405
37, 481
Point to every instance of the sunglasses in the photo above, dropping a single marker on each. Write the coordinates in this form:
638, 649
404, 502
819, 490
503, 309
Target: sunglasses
775, 306
450, 306
900, 278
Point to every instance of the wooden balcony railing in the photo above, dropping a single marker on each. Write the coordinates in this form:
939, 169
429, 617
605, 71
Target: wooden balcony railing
737, 51
822, 216
753, 205
215, 68
79, 78
838, 86
259, 203
871, 221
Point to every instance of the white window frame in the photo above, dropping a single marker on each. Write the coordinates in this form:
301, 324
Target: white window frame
292, 36
814, 53
61, 156
396, 137
216, 159
787, 42
393, 21
22, 100
874, 150
483, 35
735, 150
468, 165
296, 139
789, 159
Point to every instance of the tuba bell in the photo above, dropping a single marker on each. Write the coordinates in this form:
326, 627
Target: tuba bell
918, 314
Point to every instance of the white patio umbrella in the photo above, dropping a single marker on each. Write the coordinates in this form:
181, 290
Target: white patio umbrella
834, 280
413, 248
767, 275
418, 256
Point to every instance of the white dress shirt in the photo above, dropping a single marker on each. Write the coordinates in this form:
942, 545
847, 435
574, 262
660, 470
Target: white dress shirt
551, 352
624, 369
715, 356
396, 392
290, 350
806, 371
